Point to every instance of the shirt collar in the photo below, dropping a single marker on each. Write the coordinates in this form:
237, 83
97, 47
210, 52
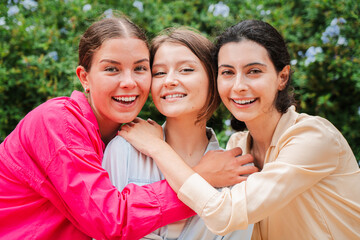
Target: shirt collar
286, 121
213, 142
85, 108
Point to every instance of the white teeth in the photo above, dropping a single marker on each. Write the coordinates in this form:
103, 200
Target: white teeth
244, 101
174, 96
125, 99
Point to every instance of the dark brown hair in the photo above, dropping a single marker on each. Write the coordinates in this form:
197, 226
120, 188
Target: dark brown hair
102, 30
268, 37
203, 48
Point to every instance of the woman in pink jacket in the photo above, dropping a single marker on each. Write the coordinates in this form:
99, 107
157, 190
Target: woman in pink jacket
52, 185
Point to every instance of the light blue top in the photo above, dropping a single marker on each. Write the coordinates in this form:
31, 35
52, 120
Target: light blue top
127, 165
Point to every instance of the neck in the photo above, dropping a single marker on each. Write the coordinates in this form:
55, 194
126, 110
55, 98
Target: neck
108, 132
262, 131
188, 139
108, 129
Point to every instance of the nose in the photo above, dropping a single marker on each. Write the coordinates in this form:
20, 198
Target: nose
127, 80
171, 80
240, 83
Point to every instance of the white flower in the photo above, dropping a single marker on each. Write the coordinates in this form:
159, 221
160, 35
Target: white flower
219, 9
334, 22
312, 51
14, 1
311, 54
139, 5
333, 31
53, 55
108, 13
30, 28
324, 38
228, 132
264, 13
342, 20
63, 30
86, 7
211, 8
227, 122
29, 4
13, 10
259, 7
2, 21
341, 41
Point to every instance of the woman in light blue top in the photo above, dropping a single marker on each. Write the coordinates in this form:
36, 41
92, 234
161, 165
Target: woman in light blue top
184, 90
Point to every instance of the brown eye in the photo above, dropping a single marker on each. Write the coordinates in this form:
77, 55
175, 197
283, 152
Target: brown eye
255, 71
140, 68
111, 69
226, 72
186, 70
159, 73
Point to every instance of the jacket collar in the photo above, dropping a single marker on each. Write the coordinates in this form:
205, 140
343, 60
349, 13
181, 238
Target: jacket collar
86, 110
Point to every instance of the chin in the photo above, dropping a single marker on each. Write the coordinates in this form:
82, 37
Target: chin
126, 119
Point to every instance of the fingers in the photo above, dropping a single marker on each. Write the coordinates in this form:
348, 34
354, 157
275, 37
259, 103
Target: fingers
247, 170
244, 159
239, 179
149, 120
138, 120
235, 151
125, 127
231, 182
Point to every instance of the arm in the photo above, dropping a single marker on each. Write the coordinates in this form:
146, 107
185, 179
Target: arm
81, 189
220, 168
299, 165
89, 200
306, 154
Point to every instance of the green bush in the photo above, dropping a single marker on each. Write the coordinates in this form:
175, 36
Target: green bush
39, 50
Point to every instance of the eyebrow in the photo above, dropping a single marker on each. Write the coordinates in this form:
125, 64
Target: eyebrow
178, 63
247, 65
116, 62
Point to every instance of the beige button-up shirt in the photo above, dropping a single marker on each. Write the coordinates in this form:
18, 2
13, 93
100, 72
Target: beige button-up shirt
307, 189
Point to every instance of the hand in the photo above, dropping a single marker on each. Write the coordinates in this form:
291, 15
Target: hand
142, 134
225, 168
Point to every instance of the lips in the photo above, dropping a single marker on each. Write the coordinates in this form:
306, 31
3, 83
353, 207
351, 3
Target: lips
245, 102
174, 95
125, 99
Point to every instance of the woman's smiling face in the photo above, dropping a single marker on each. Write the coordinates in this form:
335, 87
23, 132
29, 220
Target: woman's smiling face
247, 80
119, 80
180, 82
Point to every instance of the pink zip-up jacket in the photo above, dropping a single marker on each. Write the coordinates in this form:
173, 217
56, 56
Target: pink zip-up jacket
52, 185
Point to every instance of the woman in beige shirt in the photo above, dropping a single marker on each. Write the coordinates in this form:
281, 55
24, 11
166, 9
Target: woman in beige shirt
306, 188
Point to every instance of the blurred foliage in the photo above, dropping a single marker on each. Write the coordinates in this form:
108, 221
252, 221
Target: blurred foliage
39, 42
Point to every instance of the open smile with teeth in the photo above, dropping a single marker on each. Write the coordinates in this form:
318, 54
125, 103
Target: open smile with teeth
125, 100
244, 102
177, 95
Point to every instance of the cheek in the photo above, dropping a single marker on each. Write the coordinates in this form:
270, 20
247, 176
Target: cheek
155, 89
223, 88
144, 83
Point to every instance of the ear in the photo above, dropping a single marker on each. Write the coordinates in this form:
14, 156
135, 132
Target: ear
82, 75
284, 75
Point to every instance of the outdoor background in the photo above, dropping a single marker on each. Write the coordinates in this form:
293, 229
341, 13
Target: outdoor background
39, 42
